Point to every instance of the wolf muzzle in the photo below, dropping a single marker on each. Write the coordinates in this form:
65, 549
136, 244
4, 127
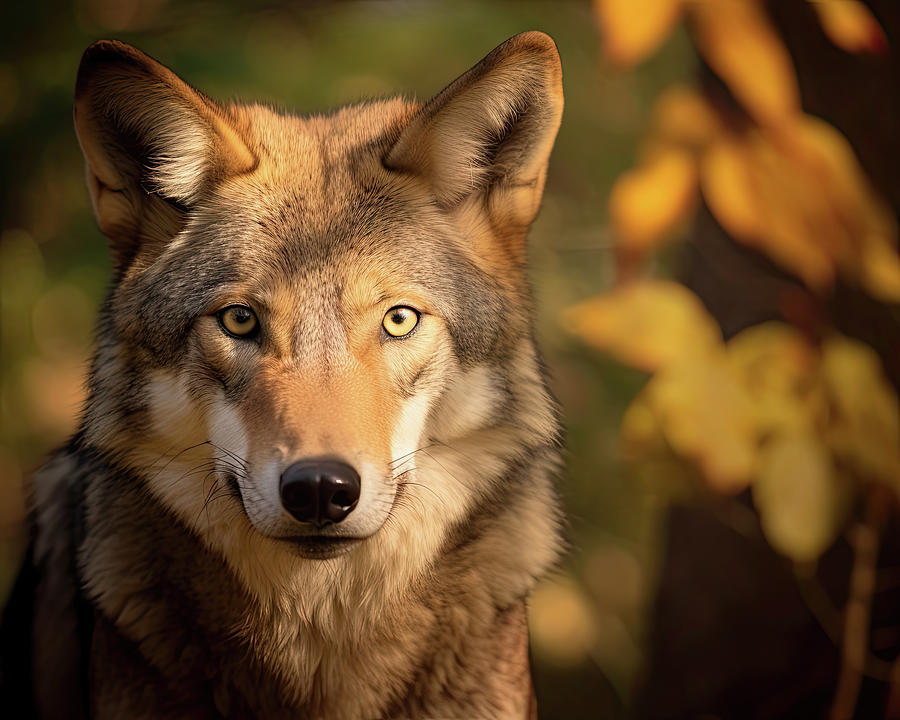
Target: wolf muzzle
319, 492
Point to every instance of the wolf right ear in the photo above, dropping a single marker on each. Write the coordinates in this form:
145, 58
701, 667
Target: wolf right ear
488, 134
152, 145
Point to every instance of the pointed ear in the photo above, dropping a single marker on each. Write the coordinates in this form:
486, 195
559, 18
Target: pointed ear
491, 129
152, 144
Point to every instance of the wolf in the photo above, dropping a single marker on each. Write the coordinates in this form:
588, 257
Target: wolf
315, 473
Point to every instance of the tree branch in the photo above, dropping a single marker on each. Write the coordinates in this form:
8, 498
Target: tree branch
864, 538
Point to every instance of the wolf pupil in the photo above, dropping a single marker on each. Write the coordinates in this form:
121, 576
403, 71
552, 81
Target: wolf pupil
397, 318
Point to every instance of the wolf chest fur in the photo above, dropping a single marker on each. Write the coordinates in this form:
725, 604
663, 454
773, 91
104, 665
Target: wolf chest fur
314, 475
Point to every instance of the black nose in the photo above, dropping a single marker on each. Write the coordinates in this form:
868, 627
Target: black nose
319, 492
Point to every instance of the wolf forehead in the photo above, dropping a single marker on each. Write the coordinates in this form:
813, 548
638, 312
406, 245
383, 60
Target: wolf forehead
318, 189
320, 217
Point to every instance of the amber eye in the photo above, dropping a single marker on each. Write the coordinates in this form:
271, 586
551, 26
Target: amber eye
400, 321
238, 320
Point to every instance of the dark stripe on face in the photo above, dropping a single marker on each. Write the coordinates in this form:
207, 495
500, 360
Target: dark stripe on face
419, 378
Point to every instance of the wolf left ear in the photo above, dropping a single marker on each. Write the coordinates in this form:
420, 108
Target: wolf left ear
152, 145
489, 133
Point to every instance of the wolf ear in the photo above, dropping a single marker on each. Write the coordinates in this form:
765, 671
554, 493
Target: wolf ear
152, 145
491, 129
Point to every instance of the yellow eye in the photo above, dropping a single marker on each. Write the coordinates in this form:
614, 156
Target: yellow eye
238, 320
400, 321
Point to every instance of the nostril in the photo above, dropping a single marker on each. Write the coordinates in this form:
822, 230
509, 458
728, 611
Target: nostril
298, 496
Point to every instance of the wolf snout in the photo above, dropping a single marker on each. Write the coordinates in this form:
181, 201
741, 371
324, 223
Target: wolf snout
319, 492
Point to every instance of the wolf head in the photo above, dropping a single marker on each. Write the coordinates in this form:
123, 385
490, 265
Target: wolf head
318, 340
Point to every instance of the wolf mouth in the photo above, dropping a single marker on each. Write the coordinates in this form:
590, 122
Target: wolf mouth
320, 548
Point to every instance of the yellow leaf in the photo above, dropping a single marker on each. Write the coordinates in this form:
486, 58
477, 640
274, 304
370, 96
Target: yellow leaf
648, 201
641, 433
742, 47
864, 427
729, 188
634, 29
682, 116
802, 501
880, 269
798, 193
646, 324
707, 417
761, 200
844, 213
802, 231
851, 26
819, 172
854, 207
779, 371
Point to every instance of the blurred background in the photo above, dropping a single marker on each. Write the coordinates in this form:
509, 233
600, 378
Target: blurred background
733, 549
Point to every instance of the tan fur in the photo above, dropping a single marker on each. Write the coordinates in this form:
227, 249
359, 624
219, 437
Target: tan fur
203, 605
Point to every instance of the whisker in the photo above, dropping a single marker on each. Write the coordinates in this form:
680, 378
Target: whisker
230, 465
172, 458
441, 465
410, 453
213, 487
234, 456
424, 487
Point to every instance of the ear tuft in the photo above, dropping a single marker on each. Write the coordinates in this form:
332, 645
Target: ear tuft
494, 125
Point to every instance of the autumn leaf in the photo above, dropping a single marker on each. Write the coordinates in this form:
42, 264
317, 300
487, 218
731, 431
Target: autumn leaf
754, 197
880, 268
780, 371
850, 25
683, 117
706, 416
641, 433
798, 193
738, 41
802, 501
697, 407
864, 427
646, 325
729, 188
869, 252
634, 29
802, 230
648, 201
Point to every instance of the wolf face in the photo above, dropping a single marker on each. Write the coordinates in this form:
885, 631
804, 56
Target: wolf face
318, 341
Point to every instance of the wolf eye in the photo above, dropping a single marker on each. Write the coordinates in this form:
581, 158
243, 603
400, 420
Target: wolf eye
238, 320
400, 321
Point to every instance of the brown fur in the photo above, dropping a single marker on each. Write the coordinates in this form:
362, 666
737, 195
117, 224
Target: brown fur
160, 521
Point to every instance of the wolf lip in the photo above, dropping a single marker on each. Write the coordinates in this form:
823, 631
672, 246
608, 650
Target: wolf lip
321, 548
